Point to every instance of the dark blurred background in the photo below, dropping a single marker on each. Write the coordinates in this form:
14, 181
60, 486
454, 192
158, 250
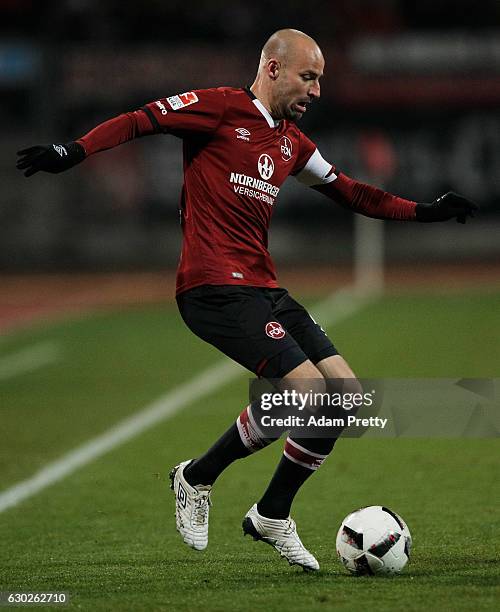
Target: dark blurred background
410, 102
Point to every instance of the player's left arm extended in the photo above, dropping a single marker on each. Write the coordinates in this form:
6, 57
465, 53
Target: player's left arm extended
376, 203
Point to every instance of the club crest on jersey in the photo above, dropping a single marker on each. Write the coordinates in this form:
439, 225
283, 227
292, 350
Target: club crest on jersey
286, 148
243, 134
265, 166
182, 100
275, 330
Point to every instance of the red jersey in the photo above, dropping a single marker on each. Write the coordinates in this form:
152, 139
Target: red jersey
235, 160
236, 157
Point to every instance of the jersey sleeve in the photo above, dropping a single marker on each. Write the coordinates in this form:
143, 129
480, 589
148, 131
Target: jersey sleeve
182, 115
311, 168
366, 200
189, 113
116, 131
314, 171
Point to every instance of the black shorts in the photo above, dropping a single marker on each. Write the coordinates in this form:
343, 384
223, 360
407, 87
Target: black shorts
264, 330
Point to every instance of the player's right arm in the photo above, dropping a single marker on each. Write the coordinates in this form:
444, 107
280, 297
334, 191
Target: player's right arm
182, 115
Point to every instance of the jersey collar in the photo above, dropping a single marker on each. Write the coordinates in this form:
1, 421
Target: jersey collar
267, 115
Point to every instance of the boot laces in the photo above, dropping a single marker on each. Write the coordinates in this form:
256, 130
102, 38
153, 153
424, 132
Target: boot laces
202, 505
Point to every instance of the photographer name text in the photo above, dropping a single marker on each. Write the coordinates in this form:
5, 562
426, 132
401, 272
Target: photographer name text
322, 421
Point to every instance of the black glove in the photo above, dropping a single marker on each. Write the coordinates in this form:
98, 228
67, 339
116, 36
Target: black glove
448, 206
52, 158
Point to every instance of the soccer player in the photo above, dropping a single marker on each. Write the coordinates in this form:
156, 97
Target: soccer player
240, 144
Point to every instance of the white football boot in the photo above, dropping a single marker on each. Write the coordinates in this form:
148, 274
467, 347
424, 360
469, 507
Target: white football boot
282, 534
192, 505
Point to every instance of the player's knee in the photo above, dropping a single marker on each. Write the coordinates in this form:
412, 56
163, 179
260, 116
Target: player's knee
309, 390
344, 385
343, 394
307, 383
352, 386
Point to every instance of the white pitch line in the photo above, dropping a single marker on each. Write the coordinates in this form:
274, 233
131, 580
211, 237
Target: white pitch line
209, 380
29, 359
337, 307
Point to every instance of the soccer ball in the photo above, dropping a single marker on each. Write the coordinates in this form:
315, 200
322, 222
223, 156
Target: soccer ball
374, 540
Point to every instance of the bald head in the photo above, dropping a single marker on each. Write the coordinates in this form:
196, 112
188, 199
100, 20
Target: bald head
291, 64
287, 45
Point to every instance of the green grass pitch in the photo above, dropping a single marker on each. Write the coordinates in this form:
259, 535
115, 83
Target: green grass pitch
106, 534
